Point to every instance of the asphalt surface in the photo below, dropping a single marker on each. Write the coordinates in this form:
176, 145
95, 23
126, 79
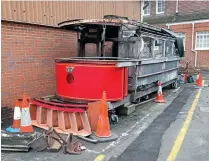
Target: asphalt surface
157, 141
146, 147
147, 134
196, 142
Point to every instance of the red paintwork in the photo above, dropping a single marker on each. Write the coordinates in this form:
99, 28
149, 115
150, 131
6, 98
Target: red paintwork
61, 104
58, 108
90, 80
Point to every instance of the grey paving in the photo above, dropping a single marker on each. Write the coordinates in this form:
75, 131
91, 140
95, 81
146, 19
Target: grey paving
194, 146
172, 132
196, 142
146, 147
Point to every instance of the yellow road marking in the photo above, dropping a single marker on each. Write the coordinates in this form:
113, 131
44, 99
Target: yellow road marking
178, 142
99, 158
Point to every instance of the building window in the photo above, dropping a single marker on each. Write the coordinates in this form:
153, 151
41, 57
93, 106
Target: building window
146, 7
202, 40
160, 6
183, 36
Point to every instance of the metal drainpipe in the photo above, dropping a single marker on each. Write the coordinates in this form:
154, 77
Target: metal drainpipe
195, 59
192, 48
142, 15
177, 6
141, 18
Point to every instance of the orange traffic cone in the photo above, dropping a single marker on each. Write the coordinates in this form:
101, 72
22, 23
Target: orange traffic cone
17, 115
159, 98
199, 80
26, 123
103, 125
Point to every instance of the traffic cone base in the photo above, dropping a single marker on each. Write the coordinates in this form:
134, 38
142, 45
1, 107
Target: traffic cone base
17, 115
159, 99
26, 123
11, 129
26, 129
199, 80
16, 124
103, 125
113, 137
101, 132
16, 119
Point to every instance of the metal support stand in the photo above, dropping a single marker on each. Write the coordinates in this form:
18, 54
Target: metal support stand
54, 142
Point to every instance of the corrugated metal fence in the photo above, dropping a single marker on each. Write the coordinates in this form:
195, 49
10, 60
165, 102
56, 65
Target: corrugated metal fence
53, 12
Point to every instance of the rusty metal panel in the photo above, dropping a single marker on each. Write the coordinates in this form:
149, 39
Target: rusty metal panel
53, 12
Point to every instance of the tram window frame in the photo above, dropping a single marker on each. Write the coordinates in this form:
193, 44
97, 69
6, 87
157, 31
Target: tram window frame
171, 46
161, 42
151, 47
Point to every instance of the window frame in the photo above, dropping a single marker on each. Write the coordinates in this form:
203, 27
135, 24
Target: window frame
184, 38
203, 48
157, 7
158, 40
148, 6
172, 49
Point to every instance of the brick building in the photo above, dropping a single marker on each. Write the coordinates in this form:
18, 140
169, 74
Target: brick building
31, 41
189, 19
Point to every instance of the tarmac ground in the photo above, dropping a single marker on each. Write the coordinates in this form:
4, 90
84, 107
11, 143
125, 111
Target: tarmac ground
176, 130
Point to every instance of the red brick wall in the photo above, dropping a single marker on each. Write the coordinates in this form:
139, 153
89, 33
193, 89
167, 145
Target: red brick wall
192, 6
27, 58
183, 7
170, 7
202, 55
